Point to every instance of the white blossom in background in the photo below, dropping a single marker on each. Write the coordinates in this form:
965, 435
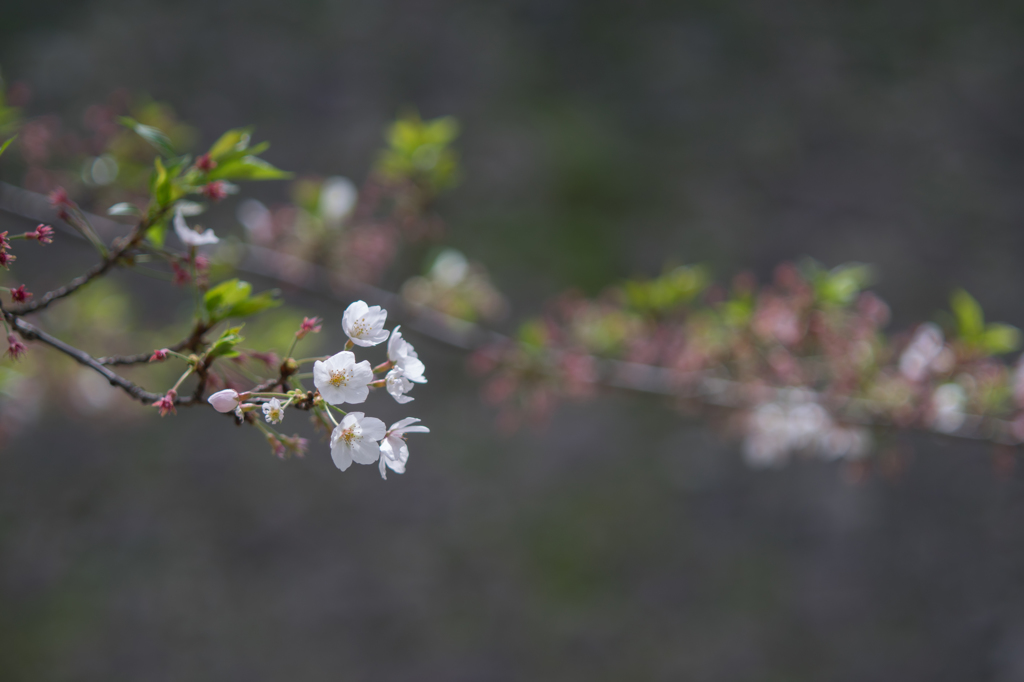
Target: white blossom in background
355, 438
273, 411
340, 379
190, 237
777, 429
394, 452
948, 407
925, 353
337, 199
257, 219
224, 401
364, 325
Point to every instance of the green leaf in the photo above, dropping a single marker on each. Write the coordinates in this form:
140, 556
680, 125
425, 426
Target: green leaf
248, 168
154, 136
1000, 338
231, 141
226, 294
5, 145
224, 347
156, 234
233, 298
841, 285
124, 208
256, 304
969, 317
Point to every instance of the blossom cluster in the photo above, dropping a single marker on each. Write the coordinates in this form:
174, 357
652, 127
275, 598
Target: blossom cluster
340, 379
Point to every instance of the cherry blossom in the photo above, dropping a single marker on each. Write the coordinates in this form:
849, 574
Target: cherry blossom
401, 353
364, 325
355, 440
158, 355
190, 237
340, 379
398, 384
215, 191
394, 452
273, 411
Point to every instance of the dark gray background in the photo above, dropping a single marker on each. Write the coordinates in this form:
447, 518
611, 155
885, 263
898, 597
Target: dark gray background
621, 541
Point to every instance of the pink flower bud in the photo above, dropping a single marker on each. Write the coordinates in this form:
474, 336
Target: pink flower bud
6, 259
43, 234
20, 294
215, 191
181, 275
224, 401
202, 263
205, 163
4, 242
166, 404
59, 197
309, 324
15, 348
159, 355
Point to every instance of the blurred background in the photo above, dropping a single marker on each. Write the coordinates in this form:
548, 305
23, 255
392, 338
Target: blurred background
620, 540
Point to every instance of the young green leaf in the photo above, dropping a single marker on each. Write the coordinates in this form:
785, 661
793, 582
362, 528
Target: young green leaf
231, 141
1000, 338
5, 145
248, 168
969, 317
154, 136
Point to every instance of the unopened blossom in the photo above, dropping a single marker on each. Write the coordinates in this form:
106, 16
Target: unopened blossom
43, 234
166, 404
5, 243
355, 440
273, 411
310, 325
15, 348
181, 275
201, 262
189, 236
224, 401
59, 200
364, 324
340, 379
296, 444
6, 259
277, 446
205, 163
215, 191
394, 452
20, 294
158, 355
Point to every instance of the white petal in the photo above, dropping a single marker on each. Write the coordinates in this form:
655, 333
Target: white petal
341, 453
365, 451
373, 428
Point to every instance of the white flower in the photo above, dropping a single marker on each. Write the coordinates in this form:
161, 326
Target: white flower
365, 325
398, 385
355, 440
189, 236
273, 411
340, 379
224, 401
394, 453
403, 355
